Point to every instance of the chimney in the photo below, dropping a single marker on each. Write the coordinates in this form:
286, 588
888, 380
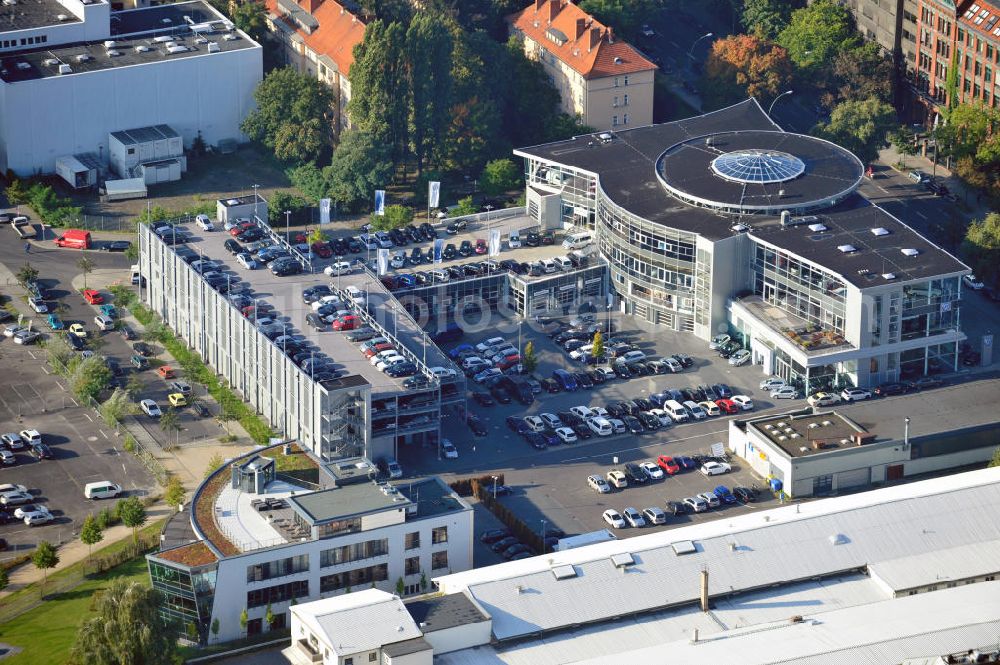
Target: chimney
538, 5
581, 27
312, 5
595, 38
554, 7
611, 36
704, 590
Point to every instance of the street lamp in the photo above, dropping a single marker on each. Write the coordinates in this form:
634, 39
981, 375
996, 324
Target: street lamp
495, 479
288, 221
786, 92
255, 219
543, 536
704, 36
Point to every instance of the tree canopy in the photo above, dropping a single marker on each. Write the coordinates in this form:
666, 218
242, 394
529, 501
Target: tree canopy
395, 217
860, 73
499, 176
860, 126
360, 166
982, 248
745, 65
292, 118
251, 18
625, 16
817, 33
126, 630
766, 18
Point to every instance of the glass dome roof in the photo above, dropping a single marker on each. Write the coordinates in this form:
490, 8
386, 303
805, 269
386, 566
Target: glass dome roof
758, 166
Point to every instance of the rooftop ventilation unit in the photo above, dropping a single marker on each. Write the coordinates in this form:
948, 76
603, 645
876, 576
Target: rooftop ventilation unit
813, 425
879, 231
177, 49
740, 228
847, 249
564, 572
109, 44
51, 62
166, 21
213, 47
787, 221
231, 37
888, 275
817, 227
684, 547
65, 69
84, 57
782, 438
9, 3
622, 560
23, 66
838, 539
113, 52
141, 48
796, 435
910, 252
826, 423
618, 60
163, 39
62, 17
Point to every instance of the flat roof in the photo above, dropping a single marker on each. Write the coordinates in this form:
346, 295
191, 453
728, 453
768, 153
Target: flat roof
145, 134
28, 14
406, 647
94, 56
165, 19
431, 496
802, 435
246, 199
443, 612
347, 501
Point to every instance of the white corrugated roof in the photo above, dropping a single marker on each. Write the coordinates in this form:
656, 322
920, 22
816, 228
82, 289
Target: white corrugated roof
746, 552
939, 566
360, 621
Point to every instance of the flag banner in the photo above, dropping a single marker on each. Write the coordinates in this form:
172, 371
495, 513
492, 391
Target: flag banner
438, 250
433, 193
324, 211
494, 244
383, 262
379, 201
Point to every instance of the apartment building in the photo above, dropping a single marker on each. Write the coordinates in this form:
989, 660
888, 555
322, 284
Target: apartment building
258, 540
892, 24
601, 79
318, 38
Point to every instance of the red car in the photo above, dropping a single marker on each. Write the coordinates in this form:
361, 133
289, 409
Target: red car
93, 297
298, 238
481, 246
378, 348
322, 250
262, 310
668, 464
727, 406
346, 323
240, 228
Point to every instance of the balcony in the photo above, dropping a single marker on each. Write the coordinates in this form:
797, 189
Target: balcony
805, 335
310, 652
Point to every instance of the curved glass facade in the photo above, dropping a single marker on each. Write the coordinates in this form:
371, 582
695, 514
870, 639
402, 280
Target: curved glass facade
758, 166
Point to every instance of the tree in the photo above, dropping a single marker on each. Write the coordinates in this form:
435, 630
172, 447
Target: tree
429, 47
499, 176
904, 141
213, 463
766, 18
816, 34
169, 420
476, 111
89, 378
243, 621
27, 274
282, 201
625, 16
215, 628
380, 87
994, 462
133, 515
745, 65
860, 126
251, 18
5, 580
126, 629
16, 193
292, 118
269, 616
860, 73
598, 346
400, 587
114, 409
132, 252
133, 386
316, 235
90, 533
465, 206
174, 494
395, 217
981, 248
360, 166
528, 358
45, 557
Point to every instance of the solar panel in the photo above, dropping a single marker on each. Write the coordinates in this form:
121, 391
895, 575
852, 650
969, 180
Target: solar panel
758, 166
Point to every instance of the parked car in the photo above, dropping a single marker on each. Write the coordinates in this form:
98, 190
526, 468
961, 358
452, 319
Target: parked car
785, 392
613, 518
823, 399
855, 394
598, 484
715, 468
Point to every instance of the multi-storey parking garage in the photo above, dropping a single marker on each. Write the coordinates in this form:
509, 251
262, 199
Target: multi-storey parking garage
725, 224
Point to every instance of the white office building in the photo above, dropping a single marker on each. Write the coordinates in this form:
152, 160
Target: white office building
72, 72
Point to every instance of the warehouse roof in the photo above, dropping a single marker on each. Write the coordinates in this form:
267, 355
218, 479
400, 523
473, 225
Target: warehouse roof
938, 566
165, 19
35, 14
361, 621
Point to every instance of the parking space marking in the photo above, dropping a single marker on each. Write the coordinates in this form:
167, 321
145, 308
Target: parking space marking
920, 214
87, 416
651, 443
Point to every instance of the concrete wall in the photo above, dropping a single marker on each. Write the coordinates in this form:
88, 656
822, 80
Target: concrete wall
420, 658
75, 113
461, 637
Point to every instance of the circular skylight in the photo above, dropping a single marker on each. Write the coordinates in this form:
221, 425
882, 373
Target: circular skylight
758, 166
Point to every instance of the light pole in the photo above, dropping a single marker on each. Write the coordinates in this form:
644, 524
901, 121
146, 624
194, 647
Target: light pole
543, 536
255, 218
495, 479
288, 221
771, 107
704, 36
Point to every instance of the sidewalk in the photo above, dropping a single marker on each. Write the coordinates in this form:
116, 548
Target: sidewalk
971, 203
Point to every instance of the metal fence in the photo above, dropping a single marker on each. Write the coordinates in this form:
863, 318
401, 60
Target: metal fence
105, 223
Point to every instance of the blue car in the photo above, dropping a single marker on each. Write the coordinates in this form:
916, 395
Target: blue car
565, 380
685, 463
458, 350
725, 496
109, 311
55, 322
405, 281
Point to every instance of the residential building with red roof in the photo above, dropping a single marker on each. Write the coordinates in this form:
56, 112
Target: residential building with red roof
319, 37
601, 79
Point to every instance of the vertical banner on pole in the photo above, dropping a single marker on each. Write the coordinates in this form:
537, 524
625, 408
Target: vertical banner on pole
433, 193
379, 201
438, 249
494, 243
383, 261
324, 211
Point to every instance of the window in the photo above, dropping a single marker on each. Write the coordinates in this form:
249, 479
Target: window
626, 80
626, 102
614, 103
372, 656
439, 560
616, 81
439, 535
278, 593
355, 552
349, 661
412, 541
279, 568
625, 119
412, 566
354, 578
614, 121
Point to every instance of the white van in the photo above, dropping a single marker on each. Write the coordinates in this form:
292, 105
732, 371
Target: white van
633, 357
438, 275
514, 241
675, 411
102, 489
563, 262
578, 240
695, 410
548, 266
601, 426
204, 222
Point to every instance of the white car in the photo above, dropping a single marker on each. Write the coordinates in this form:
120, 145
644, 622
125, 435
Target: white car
204, 223
654, 515
771, 383
823, 399
475, 362
652, 470
535, 423
598, 412
38, 518
338, 268
551, 420
662, 416
696, 503
715, 468
601, 426
741, 357
382, 355
30, 436
104, 322
855, 394
711, 498
598, 484
38, 305
29, 509
742, 401
607, 372
448, 449
7, 458
566, 434
386, 363
614, 518
971, 282
482, 347
327, 300
616, 478
15, 498
719, 340
582, 353
617, 425
393, 468
785, 392
150, 408
398, 261
582, 411
634, 517
13, 441
711, 408
247, 261
442, 372
11, 487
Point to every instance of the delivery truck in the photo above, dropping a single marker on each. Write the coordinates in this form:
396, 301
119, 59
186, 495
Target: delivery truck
74, 239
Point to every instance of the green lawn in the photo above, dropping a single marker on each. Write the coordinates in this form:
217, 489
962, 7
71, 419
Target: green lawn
46, 633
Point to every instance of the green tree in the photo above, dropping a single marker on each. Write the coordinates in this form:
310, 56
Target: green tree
766, 18
251, 18
904, 141
292, 118
380, 87
173, 496
817, 33
466, 206
429, 47
5, 580
215, 628
27, 274
981, 248
119, 404
400, 587
16, 192
499, 176
625, 16
133, 515
90, 377
169, 420
395, 217
243, 621
90, 533
860, 73
474, 133
531, 113
360, 166
126, 628
528, 359
281, 201
598, 346
860, 126
269, 616
132, 252
213, 463
994, 462
45, 557
310, 180
316, 235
